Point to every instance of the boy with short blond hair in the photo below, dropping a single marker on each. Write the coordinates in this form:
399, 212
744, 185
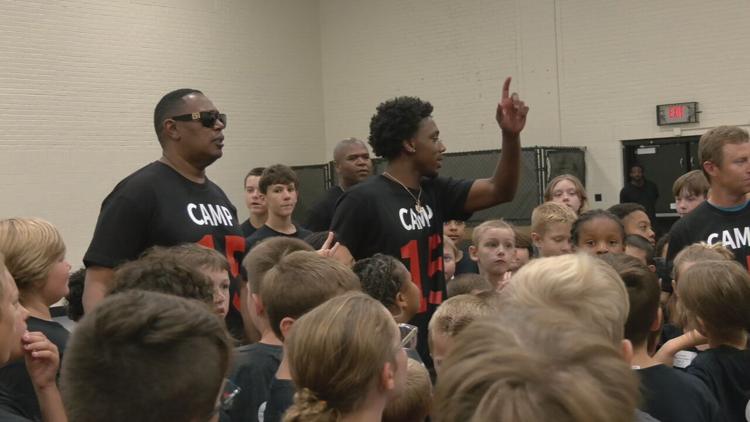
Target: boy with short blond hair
493, 249
581, 285
551, 223
453, 316
256, 364
521, 365
299, 282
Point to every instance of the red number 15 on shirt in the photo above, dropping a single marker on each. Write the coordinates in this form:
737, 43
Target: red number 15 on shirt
410, 251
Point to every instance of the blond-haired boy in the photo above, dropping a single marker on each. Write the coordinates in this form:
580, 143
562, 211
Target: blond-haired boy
551, 223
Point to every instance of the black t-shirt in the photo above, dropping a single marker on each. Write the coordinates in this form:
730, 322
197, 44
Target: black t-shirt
320, 215
9, 412
16, 390
265, 232
254, 369
710, 224
645, 195
671, 395
726, 372
466, 265
280, 398
379, 216
247, 228
158, 206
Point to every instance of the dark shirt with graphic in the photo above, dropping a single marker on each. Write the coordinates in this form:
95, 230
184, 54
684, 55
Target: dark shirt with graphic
726, 372
710, 224
158, 206
280, 398
380, 216
255, 366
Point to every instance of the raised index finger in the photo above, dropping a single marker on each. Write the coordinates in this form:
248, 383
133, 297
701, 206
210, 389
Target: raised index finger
506, 88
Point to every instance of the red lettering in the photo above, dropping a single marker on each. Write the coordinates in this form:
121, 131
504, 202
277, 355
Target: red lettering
207, 241
232, 245
676, 112
410, 251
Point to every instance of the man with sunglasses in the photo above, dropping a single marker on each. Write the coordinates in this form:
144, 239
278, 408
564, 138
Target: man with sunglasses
169, 201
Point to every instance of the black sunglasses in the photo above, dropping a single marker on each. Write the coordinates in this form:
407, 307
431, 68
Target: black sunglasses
207, 118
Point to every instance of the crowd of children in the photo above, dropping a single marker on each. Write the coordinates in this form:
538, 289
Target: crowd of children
579, 317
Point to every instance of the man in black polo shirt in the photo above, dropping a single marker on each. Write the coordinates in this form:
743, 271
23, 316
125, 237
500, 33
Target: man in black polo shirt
401, 212
353, 165
169, 201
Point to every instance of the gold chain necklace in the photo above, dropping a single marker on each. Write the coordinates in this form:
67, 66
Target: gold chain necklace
417, 199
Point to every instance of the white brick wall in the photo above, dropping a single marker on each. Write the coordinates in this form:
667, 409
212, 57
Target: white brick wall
591, 70
79, 80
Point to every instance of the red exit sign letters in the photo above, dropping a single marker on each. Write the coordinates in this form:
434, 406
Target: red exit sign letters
674, 114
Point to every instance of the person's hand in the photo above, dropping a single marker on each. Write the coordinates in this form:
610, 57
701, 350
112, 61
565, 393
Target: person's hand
505, 281
42, 359
511, 111
327, 250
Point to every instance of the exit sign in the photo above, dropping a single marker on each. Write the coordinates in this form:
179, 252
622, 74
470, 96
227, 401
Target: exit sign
675, 114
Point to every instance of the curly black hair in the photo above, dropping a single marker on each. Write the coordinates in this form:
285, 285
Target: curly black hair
592, 215
379, 278
396, 120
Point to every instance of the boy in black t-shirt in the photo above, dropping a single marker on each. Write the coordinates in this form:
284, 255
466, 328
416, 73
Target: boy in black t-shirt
278, 184
35, 256
668, 394
255, 203
256, 364
715, 295
401, 212
724, 154
298, 283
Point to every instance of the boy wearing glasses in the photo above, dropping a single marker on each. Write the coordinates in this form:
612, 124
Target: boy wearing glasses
169, 201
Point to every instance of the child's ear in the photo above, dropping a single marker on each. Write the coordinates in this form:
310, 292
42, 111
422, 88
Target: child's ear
286, 325
536, 239
627, 350
388, 377
652, 268
257, 305
401, 302
473, 253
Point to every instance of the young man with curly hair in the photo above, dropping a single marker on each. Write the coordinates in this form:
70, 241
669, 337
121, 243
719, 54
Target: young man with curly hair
401, 212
